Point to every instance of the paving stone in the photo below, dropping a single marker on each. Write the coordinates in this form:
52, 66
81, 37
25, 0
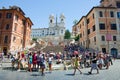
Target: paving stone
113, 73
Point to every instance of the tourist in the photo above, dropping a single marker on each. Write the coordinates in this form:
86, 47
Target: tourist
34, 58
42, 64
23, 61
13, 61
94, 64
76, 64
81, 61
50, 62
18, 59
38, 59
107, 60
30, 61
1, 57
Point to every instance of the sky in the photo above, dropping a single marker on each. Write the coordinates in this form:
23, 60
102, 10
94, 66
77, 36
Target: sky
39, 10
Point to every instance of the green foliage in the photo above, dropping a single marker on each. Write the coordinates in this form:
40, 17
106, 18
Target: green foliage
77, 38
67, 34
75, 22
34, 39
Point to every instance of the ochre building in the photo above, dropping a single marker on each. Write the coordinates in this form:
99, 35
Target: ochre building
15, 29
100, 28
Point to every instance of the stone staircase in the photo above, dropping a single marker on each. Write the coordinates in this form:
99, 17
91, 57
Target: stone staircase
47, 48
53, 48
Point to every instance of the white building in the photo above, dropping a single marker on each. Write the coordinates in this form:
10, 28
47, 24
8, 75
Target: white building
55, 30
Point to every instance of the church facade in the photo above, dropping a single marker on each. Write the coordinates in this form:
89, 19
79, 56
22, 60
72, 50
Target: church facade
55, 31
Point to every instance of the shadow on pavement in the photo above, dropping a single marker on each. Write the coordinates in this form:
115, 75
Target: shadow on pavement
69, 74
35, 75
9, 68
90, 74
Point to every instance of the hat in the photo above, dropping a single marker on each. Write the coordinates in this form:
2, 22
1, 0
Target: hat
75, 52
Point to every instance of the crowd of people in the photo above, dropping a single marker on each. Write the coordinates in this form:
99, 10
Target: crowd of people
32, 61
94, 59
79, 58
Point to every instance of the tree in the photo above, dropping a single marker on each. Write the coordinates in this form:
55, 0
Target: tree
75, 22
77, 38
34, 39
67, 34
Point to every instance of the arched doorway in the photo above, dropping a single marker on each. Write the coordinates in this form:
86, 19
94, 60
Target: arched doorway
114, 52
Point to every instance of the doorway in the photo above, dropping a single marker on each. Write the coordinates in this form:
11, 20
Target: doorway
5, 50
114, 52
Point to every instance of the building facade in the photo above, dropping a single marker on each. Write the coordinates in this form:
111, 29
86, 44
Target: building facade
100, 28
55, 31
15, 29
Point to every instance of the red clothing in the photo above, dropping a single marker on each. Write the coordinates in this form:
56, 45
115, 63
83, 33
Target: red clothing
34, 58
22, 55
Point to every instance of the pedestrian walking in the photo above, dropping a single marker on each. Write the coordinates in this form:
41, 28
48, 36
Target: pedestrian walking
50, 62
34, 60
76, 64
30, 61
107, 60
18, 59
38, 60
1, 58
42, 64
94, 64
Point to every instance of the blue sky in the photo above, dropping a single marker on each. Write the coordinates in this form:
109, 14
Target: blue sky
39, 10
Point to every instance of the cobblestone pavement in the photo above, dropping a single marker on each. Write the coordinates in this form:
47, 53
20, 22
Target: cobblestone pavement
113, 73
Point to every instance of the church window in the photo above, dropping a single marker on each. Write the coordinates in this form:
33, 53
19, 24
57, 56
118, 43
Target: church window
61, 31
50, 21
61, 19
